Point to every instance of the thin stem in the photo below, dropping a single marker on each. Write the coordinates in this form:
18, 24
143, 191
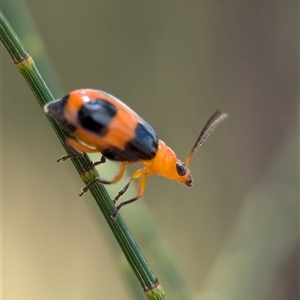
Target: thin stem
83, 165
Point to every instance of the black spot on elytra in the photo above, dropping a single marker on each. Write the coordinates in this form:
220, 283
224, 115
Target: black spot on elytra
95, 115
142, 147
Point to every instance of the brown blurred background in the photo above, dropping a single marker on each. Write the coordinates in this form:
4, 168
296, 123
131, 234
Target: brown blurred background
234, 235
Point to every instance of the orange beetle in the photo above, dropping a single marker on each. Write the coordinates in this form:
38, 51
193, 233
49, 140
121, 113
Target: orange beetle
110, 127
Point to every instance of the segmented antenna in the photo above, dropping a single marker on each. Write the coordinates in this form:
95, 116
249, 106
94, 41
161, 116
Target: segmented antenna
210, 125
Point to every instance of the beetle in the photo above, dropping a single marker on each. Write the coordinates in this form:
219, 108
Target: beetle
107, 125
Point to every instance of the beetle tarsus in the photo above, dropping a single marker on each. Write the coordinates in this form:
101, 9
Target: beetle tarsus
86, 188
114, 214
99, 162
68, 156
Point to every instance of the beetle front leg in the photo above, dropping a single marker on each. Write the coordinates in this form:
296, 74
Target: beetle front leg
142, 185
123, 190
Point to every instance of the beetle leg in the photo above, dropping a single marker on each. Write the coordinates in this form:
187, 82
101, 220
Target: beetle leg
70, 155
104, 181
77, 149
142, 185
101, 161
123, 190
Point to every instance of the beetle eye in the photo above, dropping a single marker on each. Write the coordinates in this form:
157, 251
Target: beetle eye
181, 168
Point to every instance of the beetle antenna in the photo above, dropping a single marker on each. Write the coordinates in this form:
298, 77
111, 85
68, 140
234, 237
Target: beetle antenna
210, 125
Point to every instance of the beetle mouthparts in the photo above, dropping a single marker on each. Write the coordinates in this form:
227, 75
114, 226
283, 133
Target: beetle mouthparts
189, 181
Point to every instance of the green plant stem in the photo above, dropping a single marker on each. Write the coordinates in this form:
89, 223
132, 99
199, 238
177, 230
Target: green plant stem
83, 165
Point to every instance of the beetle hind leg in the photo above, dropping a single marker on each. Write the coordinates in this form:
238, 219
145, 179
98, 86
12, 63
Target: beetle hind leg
77, 149
69, 156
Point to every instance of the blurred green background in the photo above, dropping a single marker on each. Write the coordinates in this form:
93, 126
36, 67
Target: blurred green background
235, 234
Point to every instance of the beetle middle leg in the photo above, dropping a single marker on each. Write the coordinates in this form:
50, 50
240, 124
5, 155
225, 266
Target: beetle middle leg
104, 181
